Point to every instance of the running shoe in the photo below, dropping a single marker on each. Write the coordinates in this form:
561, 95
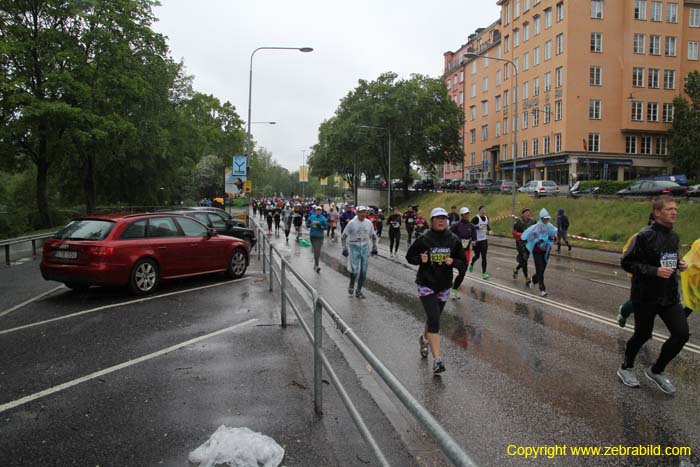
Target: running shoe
484, 276
318, 269
543, 293
359, 294
661, 381
515, 273
621, 320
529, 284
471, 268
455, 294
438, 366
423, 346
628, 377
351, 291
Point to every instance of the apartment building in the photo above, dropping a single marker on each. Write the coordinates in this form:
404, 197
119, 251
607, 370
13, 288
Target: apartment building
595, 85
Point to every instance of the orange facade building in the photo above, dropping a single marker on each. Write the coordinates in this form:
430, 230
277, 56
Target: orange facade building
596, 82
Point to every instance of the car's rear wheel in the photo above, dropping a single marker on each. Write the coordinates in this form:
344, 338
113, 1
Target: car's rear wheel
77, 286
237, 265
144, 277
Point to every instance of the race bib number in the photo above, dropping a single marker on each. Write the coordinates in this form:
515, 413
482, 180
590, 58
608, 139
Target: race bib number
410, 220
439, 254
396, 225
465, 244
669, 260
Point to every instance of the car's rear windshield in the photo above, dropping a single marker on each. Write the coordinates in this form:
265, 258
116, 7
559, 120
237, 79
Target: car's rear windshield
665, 184
549, 183
85, 229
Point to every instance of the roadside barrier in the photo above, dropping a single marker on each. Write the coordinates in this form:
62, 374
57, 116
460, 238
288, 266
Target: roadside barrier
279, 271
14, 241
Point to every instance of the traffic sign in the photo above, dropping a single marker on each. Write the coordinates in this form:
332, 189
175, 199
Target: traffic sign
248, 186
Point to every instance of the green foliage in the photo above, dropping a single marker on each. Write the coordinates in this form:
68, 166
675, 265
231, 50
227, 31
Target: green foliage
606, 187
684, 144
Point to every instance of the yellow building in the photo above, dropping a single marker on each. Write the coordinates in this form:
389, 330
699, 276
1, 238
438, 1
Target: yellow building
595, 85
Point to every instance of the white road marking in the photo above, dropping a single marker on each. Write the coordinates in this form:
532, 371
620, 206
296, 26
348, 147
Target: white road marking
112, 369
16, 307
116, 305
626, 287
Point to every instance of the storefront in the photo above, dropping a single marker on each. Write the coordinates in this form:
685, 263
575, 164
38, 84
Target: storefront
523, 171
604, 169
557, 170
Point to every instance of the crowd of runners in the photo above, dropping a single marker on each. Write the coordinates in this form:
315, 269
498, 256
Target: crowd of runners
455, 241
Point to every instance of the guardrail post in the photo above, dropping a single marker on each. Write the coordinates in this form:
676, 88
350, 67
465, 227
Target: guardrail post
270, 259
263, 255
318, 365
257, 245
7, 254
283, 291
33, 247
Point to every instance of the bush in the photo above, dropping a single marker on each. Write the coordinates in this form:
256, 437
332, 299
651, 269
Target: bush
607, 187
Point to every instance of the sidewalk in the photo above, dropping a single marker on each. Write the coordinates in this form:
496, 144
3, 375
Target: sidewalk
606, 258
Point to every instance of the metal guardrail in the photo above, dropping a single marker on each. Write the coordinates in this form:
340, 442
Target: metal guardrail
449, 446
13, 241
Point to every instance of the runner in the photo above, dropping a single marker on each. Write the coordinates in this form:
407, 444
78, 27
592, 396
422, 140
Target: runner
653, 261
539, 239
346, 217
626, 309
357, 235
421, 225
332, 223
435, 253
318, 225
394, 223
297, 220
380, 223
466, 232
287, 216
269, 214
453, 217
562, 229
410, 219
481, 247
523, 223
277, 217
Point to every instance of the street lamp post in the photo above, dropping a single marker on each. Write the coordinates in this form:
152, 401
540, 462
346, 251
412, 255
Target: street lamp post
388, 193
250, 83
515, 116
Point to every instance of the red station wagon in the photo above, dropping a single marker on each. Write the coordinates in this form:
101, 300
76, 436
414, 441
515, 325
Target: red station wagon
138, 251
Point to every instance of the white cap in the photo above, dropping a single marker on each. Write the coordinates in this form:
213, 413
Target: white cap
379, 210
438, 212
360, 208
464, 210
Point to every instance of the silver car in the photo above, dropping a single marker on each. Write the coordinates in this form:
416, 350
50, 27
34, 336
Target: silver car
540, 188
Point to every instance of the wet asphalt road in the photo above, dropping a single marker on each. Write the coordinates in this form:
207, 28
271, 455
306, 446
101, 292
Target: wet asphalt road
521, 370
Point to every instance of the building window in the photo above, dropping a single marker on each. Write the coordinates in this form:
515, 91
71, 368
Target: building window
485, 84
692, 50
640, 9
485, 61
638, 77
535, 117
472, 158
526, 61
472, 112
525, 120
653, 79
547, 50
536, 56
547, 18
547, 111
461, 76
473, 93
505, 99
526, 32
545, 145
646, 145
596, 42
536, 86
656, 11
654, 45
670, 49
461, 98
474, 67
484, 132
560, 11
516, 8
668, 113
559, 77
652, 112
557, 142
526, 90
484, 108
594, 109
661, 146
449, 84
524, 146
506, 43
597, 9
505, 126
560, 44
526, 5
506, 71
504, 152
535, 147
515, 95
498, 103
631, 144
669, 79
637, 109
558, 110
506, 14
536, 24
498, 77
671, 12
454, 82
694, 18
595, 75
516, 37
516, 63
498, 129
472, 136
638, 43
594, 142
547, 82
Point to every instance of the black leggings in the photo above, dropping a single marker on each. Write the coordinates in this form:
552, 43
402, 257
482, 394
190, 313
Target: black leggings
523, 256
675, 320
540, 266
480, 250
269, 223
409, 231
394, 239
433, 309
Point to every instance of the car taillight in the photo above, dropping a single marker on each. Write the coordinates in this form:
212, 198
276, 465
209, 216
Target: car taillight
665, 190
541, 188
101, 250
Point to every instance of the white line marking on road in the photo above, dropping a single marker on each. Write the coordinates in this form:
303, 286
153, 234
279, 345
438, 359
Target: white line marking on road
116, 305
27, 302
626, 287
112, 369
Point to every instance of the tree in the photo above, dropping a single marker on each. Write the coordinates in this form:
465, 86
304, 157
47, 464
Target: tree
684, 144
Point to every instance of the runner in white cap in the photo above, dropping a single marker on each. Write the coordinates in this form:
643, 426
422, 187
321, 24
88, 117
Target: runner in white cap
356, 238
435, 253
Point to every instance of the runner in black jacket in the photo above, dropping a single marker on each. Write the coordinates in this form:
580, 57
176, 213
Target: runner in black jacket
466, 232
653, 261
435, 253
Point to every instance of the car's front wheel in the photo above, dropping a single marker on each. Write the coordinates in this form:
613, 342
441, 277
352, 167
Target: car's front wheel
237, 265
144, 277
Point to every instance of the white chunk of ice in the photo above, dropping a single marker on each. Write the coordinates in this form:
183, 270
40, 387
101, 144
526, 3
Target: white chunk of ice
237, 447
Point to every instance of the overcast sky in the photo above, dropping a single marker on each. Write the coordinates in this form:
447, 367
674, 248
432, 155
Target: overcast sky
352, 40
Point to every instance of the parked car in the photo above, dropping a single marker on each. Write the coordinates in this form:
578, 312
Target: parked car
471, 185
693, 191
456, 185
502, 186
653, 188
484, 184
138, 251
540, 188
223, 223
424, 185
397, 185
444, 184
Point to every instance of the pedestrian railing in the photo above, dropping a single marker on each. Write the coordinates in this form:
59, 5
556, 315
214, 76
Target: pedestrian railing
279, 271
14, 241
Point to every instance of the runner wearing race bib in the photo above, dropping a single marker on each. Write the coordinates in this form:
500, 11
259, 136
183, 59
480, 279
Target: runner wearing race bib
466, 232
